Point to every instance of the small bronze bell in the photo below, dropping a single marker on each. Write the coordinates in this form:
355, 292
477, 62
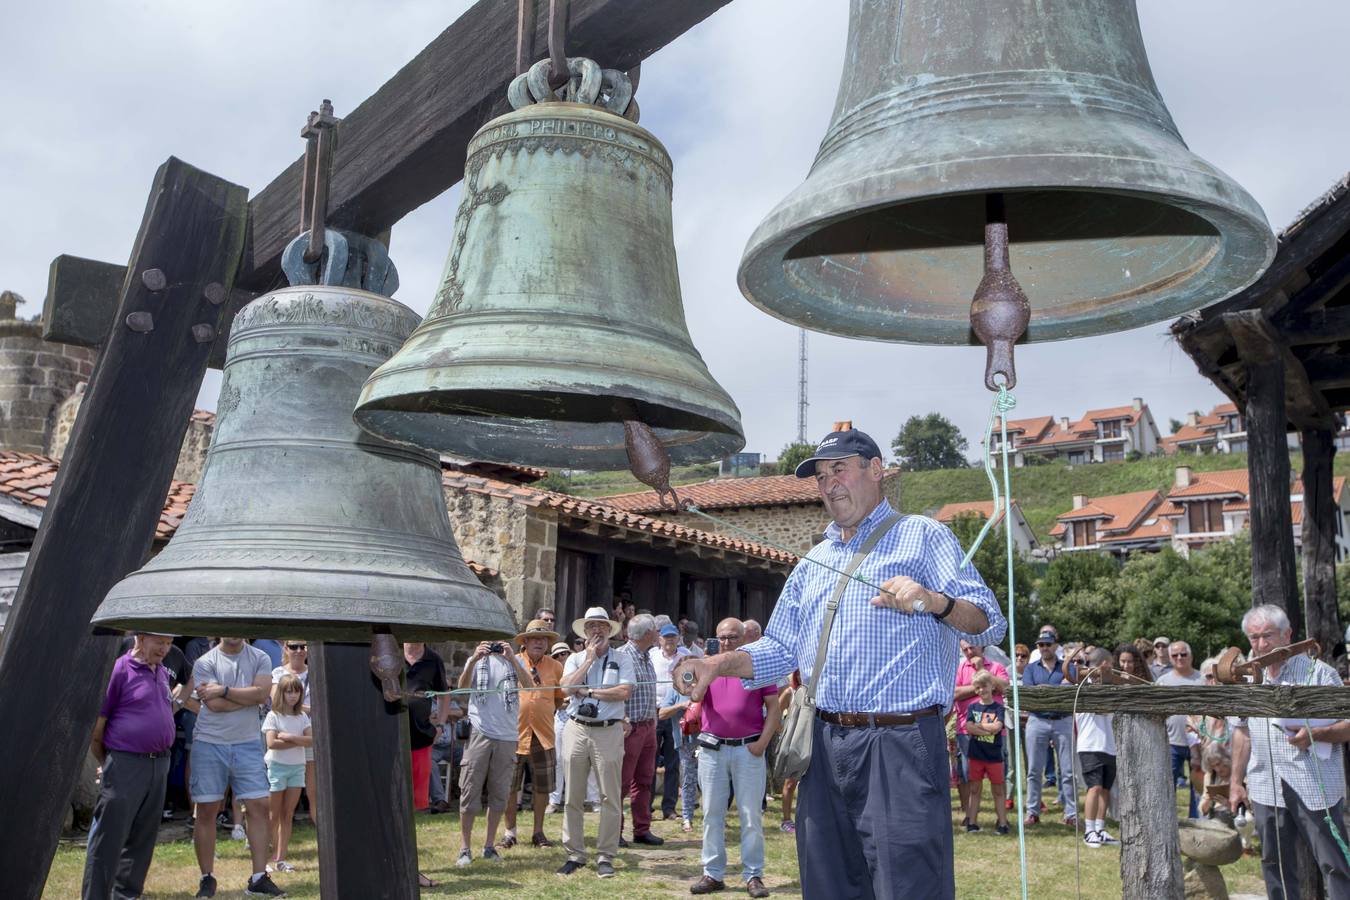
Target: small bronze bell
1113, 222
302, 524
559, 313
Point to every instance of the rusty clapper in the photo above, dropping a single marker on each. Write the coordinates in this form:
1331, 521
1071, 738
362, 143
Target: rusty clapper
386, 663
1115, 223
1229, 671
1000, 311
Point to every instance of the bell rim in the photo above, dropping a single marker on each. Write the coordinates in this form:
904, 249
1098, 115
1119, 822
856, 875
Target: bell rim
1241, 227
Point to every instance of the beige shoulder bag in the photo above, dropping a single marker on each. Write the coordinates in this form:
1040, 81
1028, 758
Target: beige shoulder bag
794, 750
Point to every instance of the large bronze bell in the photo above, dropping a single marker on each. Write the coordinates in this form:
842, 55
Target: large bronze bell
559, 314
1113, 222
302, 524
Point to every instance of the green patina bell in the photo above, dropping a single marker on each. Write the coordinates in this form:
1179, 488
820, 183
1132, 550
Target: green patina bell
1113, 222
559, 314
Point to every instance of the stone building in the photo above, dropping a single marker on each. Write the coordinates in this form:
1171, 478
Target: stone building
784, 509
35, 378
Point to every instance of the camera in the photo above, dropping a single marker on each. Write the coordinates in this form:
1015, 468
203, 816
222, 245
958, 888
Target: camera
712, 646
496, 647
589, 709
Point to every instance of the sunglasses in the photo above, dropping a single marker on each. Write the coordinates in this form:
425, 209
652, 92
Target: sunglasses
1180, 654
1023, 655
297, 647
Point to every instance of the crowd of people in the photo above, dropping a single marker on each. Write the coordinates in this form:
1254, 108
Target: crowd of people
881, 691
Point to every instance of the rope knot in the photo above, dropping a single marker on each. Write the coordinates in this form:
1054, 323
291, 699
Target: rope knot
1005, 400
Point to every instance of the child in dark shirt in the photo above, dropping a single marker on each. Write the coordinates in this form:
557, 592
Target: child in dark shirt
984, 724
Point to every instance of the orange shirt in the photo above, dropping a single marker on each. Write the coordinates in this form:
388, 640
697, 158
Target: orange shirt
537, 707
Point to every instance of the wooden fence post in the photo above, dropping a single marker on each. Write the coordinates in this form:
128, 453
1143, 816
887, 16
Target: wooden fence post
1150, 844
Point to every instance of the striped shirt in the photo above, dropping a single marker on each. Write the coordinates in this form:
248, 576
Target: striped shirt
879, 660
641, 703
1300, 769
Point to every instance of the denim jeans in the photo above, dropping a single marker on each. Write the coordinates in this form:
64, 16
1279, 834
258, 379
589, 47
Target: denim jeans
448, 753
1041, 734
688, 776
1181, 757
718, 771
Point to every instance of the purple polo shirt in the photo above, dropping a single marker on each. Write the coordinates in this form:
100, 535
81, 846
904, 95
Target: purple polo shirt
137, 707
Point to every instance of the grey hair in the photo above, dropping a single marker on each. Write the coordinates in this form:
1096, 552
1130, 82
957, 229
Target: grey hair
1098, 656
663, 620
1268, 613
640, 626
1185, 644
1214, 755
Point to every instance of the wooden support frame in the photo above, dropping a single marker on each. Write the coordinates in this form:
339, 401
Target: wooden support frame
101, 516
1319, 542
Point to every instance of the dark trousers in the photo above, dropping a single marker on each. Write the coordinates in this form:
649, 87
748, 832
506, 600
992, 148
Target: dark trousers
126, 824
639, 768
1280, 831
1181, 759
874, 814
668, 755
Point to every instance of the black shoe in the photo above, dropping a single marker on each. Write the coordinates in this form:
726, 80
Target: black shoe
649, 839
605, 869
623, 844
1002, 829
263, 886
570, 866
207, 886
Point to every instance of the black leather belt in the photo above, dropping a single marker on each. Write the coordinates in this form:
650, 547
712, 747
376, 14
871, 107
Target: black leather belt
874, 720
736, 742
596, 723
158, 754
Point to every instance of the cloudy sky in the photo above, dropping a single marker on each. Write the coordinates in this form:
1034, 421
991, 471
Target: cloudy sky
99, 94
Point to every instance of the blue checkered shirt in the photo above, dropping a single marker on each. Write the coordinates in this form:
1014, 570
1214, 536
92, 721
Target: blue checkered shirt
879, 659
641, 703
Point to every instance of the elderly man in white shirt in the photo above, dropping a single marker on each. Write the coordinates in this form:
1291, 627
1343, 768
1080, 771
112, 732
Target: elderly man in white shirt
1292, 770
667, 652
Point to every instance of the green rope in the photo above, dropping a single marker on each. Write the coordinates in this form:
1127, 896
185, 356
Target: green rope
536, 687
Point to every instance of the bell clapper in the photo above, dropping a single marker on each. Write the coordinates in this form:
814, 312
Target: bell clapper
387, 663
649, 462
1000, 311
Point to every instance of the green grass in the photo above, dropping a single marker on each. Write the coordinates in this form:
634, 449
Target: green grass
986, 865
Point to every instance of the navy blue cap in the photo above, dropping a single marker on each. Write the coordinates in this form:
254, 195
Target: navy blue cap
839, 445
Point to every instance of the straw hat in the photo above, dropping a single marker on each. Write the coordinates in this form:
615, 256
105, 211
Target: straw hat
560, 647
595, 614
536, 628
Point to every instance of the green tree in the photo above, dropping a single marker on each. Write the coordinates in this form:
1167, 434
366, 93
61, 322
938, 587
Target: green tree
1175, 425
1090, 614
1070, 572
792, 455
929, 442
991, 561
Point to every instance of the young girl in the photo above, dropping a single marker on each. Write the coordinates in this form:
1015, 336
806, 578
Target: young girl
288, 734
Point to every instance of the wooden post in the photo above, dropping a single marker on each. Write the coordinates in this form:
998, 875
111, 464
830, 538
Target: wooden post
1150, 845
101, 516
601, 581
1319, 543
367, 844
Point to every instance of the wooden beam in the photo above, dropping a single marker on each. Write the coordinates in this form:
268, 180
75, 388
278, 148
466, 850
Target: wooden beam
405, 144
1320, 512
1327, 372
1318, 326
1258, 342
1318, 291
1266, 700
356, 732
101, 515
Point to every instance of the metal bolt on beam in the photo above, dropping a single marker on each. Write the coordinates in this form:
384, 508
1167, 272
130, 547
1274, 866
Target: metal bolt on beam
215, 293
154, 279
203, 333
141, 322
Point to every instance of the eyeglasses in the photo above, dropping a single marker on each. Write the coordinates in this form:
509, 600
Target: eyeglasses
297, 647
1180, 654
1045, 645
1161, 645
728, 637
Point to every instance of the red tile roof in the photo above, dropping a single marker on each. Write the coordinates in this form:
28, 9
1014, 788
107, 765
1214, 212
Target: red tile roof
727, 493
516, 474
1123, 513
981, 508
1031, 428
610, 514
1213, 484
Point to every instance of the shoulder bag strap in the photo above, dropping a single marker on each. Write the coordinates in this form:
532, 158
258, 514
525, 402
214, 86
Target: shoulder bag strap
833, 605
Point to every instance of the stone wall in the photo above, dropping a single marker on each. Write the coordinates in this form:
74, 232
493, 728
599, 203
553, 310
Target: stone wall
35, 377
519, 541
191, 458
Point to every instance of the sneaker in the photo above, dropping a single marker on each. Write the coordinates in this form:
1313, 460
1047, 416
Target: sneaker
283, 866
491, 854
1106, 838
570, 866
508, 841
263, 886
588, 806
970, 829
788, 828
604, 868
551, 809
223, 820
207, 886
465, 858
1002, 829
1032, 819
1093, 838
238, 834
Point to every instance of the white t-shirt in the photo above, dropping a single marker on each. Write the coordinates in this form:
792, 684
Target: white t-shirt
275, 721
1095, 734
663, 664
495, 715
1176, 725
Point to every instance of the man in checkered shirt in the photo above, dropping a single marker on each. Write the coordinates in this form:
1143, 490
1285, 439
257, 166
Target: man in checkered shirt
874, 808
639, 743
1305, 763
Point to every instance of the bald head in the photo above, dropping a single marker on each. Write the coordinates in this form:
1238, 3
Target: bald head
751, 631
730, 634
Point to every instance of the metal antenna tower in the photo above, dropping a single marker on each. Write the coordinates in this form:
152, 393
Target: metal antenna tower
801, 386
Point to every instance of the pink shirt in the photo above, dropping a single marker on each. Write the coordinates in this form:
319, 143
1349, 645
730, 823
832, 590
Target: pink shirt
730, 711
965, 675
